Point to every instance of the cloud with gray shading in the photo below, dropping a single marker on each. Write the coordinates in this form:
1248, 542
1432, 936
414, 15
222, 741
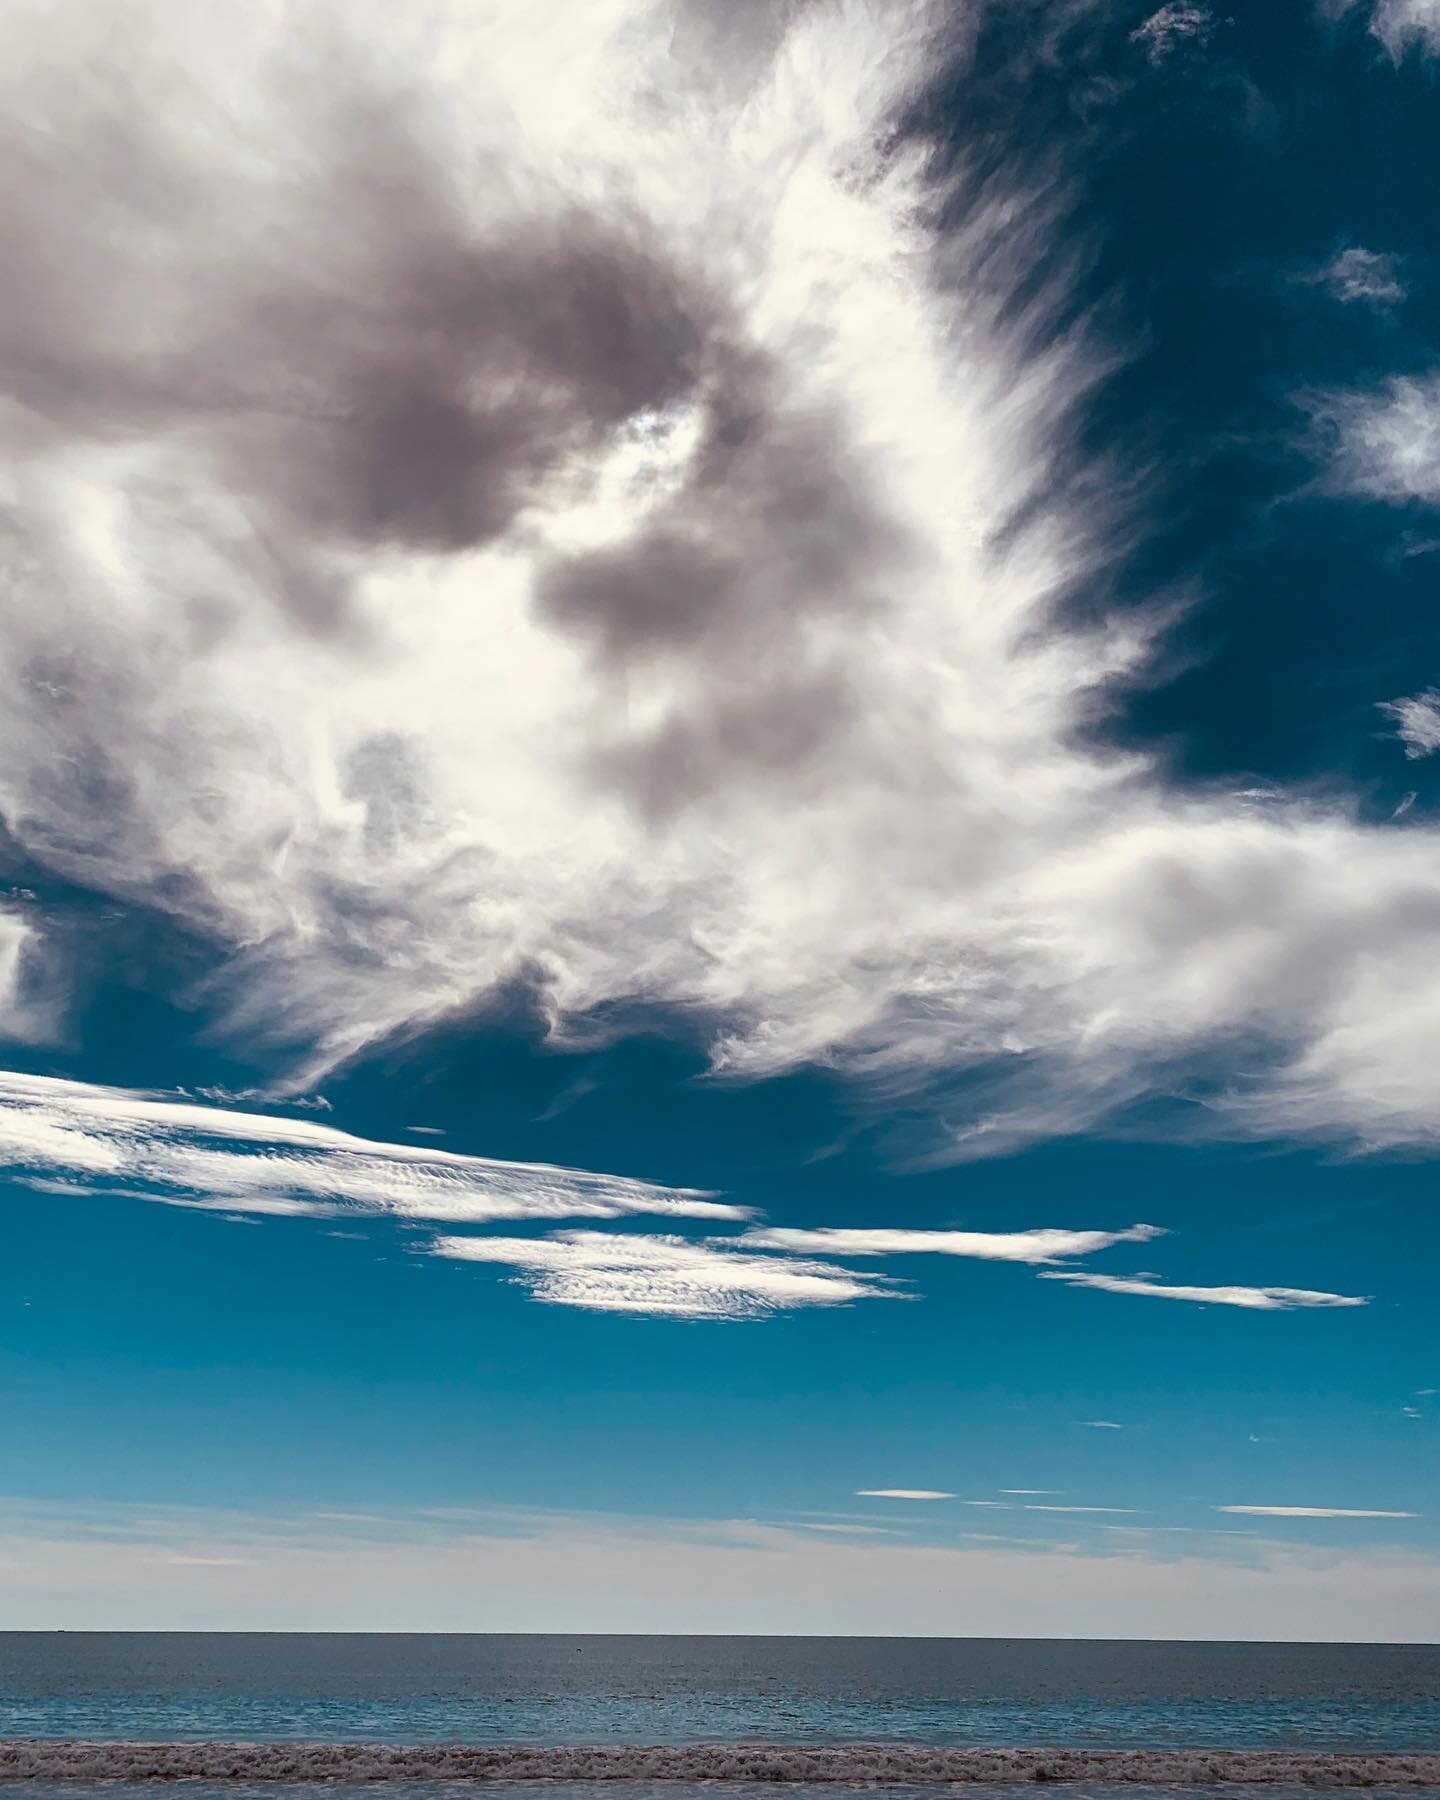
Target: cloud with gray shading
509, 498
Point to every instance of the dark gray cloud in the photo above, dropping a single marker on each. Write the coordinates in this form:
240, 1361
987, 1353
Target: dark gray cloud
331, 344
773, 539
317, 319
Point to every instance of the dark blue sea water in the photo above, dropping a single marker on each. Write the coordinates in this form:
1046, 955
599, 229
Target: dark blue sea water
667, 1690
815, 1698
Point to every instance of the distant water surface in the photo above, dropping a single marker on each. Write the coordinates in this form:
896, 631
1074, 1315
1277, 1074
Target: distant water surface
400, 1688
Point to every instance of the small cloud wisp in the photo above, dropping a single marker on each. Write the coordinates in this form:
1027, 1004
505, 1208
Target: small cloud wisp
1257, 1299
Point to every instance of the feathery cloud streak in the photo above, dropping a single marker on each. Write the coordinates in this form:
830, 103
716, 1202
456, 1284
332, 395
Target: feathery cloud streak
237, 1161
62, 1137
1385, 442
463, 541
1316, 1512
1258, 1299
903, 1494
1040, 1245
1417, 722
666, 1276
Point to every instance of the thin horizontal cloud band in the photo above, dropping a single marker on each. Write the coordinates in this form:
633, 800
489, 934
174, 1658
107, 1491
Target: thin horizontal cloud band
1315, 1512
1040, 1245
669, 1275
1255, 1299
243, 1161
63, 1136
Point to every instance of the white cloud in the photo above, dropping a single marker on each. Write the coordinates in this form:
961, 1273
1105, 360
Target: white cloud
1173, 27
1402, 25
1385, 442
1258, 1299
1417, 722
1027, 1490
105, 1568
903, 1494
391, 732
1081, 1509
14, 935
1316, 1512
204, 1156
28, 998
1102, 1425
71, 1138
843, 1530
666, 1276
1040, 1245
1359, 274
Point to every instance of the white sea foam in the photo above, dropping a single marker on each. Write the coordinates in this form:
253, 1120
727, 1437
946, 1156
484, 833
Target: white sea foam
850, 1764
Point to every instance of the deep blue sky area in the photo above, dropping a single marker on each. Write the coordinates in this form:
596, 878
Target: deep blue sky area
1225, 218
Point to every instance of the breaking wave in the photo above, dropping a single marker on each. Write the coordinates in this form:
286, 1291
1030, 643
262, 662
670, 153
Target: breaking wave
852, 1764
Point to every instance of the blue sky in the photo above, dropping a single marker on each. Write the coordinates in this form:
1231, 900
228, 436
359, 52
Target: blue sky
716, 807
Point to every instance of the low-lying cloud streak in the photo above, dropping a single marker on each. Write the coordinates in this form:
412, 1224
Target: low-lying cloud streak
463, 534
1257, 1299
903, 1494
1316, 1512
133, 1567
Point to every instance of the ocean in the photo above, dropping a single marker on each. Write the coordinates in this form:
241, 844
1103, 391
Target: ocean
816, 1712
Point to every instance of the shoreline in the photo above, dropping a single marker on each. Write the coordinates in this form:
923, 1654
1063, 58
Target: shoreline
61, 1759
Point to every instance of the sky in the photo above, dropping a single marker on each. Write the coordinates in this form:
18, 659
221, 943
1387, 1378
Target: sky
719, 870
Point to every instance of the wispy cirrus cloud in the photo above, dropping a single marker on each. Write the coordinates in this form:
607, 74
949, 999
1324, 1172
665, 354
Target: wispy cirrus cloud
754, 601
1316, 1512
904, 1494
1257, 1299
1179, 25
1417, 722
59, 1133
1078, 1509
1383, 443
1041, 1244
1357, 274
668, 1277
1403, 25
73, 1139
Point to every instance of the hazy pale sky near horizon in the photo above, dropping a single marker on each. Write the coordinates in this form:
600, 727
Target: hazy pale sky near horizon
717, 735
